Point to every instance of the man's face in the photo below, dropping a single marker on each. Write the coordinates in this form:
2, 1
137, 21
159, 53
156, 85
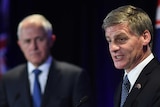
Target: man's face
34, 43
126, 48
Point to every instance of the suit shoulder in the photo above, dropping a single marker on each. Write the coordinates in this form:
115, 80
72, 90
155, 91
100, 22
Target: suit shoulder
15, 71
68, 66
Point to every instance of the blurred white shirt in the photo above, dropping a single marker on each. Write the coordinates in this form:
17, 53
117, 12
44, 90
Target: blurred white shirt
42, 77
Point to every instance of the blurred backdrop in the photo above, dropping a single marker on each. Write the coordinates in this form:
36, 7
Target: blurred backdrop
80, 38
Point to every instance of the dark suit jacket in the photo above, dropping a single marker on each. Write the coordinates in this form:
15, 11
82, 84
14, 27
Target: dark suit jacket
66, 85
147, 94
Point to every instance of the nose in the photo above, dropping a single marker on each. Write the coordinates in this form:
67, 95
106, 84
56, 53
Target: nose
113, 47
33, 45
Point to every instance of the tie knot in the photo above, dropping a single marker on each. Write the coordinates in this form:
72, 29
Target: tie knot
37, 72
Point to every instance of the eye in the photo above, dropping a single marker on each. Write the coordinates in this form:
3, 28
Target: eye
122, 40
41, 39
27, 41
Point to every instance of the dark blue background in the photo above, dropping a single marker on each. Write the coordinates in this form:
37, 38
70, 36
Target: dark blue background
80, 38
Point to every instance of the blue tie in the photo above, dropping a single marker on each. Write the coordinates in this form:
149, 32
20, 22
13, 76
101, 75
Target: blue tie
36, 90
125, 90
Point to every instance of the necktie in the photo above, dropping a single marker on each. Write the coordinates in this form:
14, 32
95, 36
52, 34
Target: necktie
125, 90
36, 90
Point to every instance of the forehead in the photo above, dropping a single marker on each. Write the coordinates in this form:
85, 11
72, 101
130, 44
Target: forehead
116, 30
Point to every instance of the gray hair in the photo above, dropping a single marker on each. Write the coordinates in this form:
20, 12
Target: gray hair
137, 19
36, 18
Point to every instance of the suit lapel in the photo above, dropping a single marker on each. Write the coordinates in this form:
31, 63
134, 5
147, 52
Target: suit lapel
26, 95
51, 85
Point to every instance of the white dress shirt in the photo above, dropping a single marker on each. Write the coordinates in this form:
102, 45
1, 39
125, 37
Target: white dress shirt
42, 77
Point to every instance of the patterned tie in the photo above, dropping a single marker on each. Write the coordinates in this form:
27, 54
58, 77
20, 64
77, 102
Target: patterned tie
36, 90
125, 90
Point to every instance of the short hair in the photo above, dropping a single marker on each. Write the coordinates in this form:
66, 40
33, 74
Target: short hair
137, 19
36, 18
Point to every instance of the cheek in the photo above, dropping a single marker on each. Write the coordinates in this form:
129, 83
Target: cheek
43, 47
23, 49
134, 53
131, 51
26, 52
137, 47
134, 46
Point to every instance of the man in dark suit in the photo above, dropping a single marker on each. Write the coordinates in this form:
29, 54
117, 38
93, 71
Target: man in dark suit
61, 84
129, 32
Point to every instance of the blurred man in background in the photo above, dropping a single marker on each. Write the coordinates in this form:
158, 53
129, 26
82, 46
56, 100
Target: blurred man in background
42, 81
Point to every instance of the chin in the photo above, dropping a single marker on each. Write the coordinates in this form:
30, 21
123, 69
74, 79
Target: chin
119, 67
36, 62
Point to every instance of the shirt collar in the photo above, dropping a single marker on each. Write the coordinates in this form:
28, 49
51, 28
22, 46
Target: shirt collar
44, 67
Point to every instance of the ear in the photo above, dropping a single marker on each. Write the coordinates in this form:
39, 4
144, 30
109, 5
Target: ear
146, 36
53, 39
